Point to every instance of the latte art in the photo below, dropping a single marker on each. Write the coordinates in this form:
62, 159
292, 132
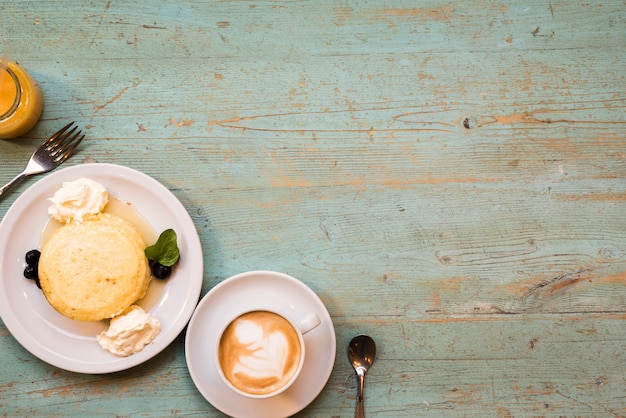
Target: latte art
259, 352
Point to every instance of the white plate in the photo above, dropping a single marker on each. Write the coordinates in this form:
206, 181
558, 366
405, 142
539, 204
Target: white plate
69, 344
282, 292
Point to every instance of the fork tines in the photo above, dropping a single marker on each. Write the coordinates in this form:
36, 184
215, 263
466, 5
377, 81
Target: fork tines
61, 145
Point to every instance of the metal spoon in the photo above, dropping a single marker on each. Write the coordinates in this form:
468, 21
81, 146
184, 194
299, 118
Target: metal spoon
361, 352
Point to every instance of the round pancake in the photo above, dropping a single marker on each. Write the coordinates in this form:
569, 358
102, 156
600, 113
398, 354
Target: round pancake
94, 269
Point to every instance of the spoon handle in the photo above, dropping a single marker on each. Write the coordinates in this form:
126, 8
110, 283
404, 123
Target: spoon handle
359, 412
360, 409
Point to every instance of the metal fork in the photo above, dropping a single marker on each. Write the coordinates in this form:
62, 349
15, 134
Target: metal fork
51, 154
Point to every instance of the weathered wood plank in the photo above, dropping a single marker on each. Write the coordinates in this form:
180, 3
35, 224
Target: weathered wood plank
427, 366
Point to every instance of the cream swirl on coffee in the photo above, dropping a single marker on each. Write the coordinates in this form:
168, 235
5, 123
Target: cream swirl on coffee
263, 356
259, 352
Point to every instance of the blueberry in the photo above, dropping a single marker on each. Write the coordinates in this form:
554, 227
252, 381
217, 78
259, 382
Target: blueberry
31, 272
160, 271
32, 257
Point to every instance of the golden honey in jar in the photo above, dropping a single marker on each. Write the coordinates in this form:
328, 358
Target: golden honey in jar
21, 101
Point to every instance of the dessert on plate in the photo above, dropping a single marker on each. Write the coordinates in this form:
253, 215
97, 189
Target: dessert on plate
95, 266
94, 269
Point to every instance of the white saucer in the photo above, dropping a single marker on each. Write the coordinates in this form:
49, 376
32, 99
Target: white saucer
282, 292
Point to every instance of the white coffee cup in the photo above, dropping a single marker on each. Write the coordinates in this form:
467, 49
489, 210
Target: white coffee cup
260, 350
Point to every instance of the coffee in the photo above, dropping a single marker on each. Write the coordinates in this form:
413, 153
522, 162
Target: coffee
259, 352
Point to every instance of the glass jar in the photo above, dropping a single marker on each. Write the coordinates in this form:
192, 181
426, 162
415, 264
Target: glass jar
21, 101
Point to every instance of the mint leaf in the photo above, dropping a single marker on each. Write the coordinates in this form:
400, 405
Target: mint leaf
165, 250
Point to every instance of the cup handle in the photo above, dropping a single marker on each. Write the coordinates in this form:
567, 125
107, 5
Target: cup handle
309, 322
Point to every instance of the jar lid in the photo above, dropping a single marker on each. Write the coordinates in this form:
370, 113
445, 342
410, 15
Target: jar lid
10, 92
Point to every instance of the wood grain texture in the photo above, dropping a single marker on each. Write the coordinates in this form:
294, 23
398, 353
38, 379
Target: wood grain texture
448, 177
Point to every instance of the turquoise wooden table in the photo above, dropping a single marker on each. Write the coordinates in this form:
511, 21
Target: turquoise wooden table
448, 177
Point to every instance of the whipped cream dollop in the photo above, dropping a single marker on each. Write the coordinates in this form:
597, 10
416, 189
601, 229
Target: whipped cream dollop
77, 199
129, 332
265, 353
